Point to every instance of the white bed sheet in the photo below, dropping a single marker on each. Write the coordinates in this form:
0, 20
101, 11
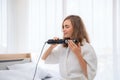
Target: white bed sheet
16, 75
25, 72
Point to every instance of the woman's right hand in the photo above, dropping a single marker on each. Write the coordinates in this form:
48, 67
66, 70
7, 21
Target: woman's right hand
54, 45
48, 51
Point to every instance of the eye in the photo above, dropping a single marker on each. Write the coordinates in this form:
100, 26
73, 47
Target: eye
66, 26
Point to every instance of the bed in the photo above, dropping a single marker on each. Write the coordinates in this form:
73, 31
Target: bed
20, 67
10, 59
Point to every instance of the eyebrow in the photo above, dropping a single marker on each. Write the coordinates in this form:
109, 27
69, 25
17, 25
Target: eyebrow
66, 25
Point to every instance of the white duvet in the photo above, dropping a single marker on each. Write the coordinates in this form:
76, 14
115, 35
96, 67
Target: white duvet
26, 72
16, 75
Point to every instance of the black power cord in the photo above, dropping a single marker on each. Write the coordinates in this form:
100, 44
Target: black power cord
38, 61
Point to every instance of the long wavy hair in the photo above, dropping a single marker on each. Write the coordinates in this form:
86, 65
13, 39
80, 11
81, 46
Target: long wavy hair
79, 30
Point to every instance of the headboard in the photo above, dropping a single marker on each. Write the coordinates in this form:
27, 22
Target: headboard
16, 58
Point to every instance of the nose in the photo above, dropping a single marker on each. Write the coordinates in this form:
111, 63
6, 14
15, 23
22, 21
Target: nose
64, 29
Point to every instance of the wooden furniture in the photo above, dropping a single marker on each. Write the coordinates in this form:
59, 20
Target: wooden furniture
16, 58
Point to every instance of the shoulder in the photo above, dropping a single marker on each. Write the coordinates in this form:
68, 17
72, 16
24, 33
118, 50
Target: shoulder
89, 53
86, 45
88, 48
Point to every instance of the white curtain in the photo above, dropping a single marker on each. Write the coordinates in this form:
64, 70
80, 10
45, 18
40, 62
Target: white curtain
45, 22
14, 26
17, 26
3, 26
116, 39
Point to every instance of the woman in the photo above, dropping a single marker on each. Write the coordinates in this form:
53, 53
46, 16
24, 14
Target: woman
77, 61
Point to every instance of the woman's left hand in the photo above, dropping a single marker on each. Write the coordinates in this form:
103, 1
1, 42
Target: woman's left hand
77, 51
75, 48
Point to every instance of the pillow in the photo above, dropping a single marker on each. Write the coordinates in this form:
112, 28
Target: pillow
29, 68
21, 66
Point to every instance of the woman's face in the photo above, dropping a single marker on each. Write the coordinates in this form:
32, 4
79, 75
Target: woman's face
67, 29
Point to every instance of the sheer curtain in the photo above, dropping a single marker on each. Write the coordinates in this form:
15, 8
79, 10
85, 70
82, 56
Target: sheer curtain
45, 22
14, 26
3, 26
17, 26
116, 39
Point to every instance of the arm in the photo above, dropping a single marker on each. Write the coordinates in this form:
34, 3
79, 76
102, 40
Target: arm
82, 63
47, 52
77, 51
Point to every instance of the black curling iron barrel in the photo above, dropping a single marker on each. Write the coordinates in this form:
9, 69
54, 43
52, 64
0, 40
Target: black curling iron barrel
60, 41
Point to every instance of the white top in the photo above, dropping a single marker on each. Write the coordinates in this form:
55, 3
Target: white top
70, 68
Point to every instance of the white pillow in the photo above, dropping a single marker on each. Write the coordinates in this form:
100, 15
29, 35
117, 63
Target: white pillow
30, 69
21, 66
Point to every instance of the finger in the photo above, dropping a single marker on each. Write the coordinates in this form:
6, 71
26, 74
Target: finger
69, 44
55, 38
72, 43
79, 44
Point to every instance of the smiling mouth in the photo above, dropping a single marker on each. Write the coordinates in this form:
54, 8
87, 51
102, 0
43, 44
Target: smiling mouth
65, 33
